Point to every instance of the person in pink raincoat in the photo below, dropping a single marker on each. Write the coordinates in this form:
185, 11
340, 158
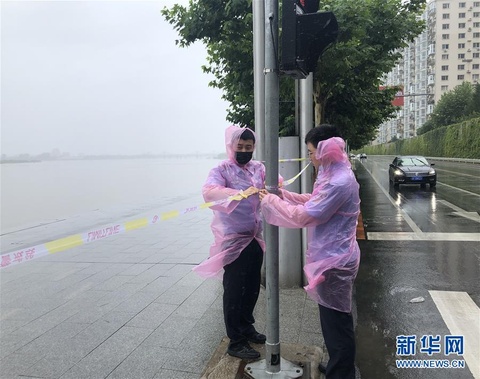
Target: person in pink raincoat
238, 248
333, 256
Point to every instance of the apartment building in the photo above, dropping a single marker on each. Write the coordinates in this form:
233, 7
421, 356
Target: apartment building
445, 55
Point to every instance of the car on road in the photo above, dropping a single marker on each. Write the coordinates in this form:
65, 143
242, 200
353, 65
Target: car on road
412, 169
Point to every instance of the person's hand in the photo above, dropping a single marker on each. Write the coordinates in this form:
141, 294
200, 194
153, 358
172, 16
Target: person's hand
250, 191
262, 193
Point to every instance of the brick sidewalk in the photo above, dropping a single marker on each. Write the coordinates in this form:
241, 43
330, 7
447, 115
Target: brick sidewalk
128, 307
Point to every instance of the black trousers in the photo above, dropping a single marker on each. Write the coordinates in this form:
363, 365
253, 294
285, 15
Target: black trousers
241, 287
337, 329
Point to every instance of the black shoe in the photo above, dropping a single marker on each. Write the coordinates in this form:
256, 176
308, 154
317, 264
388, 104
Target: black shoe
257, 338
322, 368
243, 350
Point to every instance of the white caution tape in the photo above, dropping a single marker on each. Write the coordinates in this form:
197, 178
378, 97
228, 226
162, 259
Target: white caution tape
62, 244
292, 160
290, 181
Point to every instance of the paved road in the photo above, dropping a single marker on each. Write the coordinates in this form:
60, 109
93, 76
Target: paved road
419, 241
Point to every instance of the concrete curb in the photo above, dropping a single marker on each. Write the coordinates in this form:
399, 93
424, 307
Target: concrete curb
223, 366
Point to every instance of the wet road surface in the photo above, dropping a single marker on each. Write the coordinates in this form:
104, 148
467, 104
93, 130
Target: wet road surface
419, 240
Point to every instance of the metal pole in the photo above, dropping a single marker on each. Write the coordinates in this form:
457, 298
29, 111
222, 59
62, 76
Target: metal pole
271, 159
297, 108
306, 123
258, 10
270, 367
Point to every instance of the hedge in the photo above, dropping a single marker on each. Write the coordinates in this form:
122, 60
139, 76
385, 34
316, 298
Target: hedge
453, 141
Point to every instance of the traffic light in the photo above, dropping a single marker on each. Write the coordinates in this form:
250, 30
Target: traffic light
306, 33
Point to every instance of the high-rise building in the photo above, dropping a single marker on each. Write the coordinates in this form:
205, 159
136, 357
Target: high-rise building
445, 55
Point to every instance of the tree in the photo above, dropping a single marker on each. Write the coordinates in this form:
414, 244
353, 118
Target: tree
474, 109
347, 79
460, 104
426, 127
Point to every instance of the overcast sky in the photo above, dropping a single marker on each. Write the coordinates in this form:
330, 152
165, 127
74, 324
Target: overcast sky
103, 77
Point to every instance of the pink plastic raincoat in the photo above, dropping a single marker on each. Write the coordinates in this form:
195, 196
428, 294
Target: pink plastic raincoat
235, 223
331, 213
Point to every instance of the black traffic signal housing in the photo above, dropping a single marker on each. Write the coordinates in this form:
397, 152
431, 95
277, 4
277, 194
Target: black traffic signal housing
306, 33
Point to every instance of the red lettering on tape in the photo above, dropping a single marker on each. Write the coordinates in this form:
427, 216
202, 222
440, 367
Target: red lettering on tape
103, 233
6, 261
29, 254
18, 256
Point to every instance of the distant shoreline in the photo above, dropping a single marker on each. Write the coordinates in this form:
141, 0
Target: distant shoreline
104, 157
18, 161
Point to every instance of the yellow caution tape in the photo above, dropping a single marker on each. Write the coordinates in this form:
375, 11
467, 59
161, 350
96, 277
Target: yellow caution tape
62, 244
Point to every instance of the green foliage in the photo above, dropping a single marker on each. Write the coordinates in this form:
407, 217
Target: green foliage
460, 104
429, 125
475, 105
453, 105
347, 79
460, 140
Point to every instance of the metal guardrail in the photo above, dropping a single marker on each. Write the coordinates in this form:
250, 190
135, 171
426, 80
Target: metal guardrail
463, 160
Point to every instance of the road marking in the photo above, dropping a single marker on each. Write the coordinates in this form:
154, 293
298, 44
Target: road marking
457, 173
406, 217
462, 317
409, 236
474, 216
417, 234
458, 189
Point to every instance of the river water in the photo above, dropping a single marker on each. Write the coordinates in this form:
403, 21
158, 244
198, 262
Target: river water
83, 192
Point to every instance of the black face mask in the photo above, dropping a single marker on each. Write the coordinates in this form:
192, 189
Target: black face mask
243, 157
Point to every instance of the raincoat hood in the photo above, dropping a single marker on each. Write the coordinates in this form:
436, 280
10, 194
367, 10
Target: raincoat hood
332, 151
232, 136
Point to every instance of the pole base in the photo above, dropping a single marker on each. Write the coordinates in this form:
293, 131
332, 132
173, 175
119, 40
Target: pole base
288, 370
